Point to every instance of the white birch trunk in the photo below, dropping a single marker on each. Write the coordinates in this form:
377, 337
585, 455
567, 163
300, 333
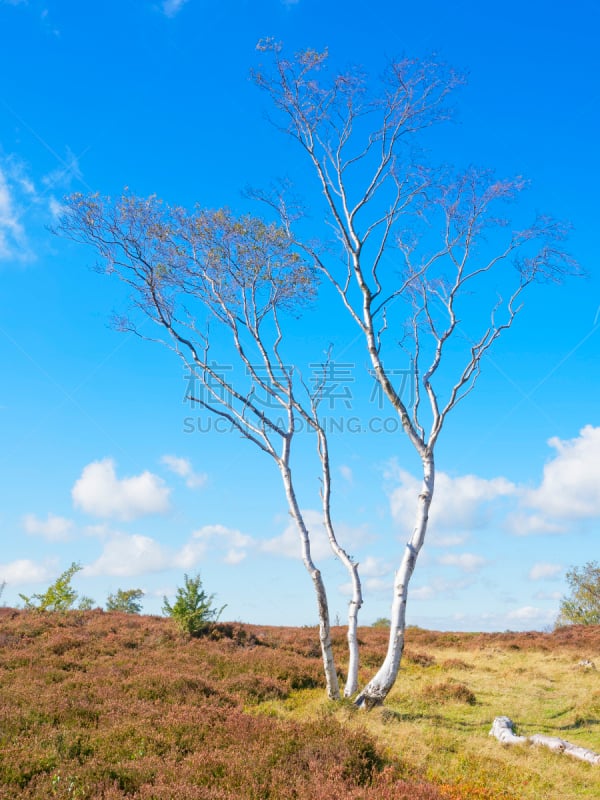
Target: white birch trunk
352, 634
351, 686
379, 686
331, 679
503, 730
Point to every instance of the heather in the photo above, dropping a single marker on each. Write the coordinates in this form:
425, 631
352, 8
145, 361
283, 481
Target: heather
114, 705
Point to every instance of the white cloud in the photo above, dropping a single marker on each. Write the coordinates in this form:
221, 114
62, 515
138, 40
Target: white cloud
467, 562
531, 614
183, 468
375, 567
440, 588
381, 586
422, 593
370, 586
232, 536
524, 524
25, 571
219, 537
12, 233
234, 556
543, 570
288, 543
126, 555
56, 208
459, 504
99, 492
172, 7
190, 554
569, 488
23, 207
53, 528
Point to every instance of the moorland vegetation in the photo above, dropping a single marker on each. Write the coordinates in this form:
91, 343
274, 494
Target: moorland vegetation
117, 705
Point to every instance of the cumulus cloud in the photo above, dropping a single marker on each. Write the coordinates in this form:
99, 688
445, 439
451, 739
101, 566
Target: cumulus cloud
522, 523
569, 488
567, 493
235, 544
183, 468
99, 492
531, 615
461, 504
288, 543
543, 571
376, 576
23, 571
125, 555
439, 587
467, 562
53, 528
373, 567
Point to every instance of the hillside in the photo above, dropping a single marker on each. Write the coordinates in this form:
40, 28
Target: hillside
97, 705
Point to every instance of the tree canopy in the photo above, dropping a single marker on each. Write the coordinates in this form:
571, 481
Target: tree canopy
410, 250
582, 605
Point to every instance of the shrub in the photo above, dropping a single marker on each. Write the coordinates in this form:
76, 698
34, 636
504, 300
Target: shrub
450, 691
60, 596
420, 659
583, 605
381, 622
192, 610
85, 603
125, 600
456, 663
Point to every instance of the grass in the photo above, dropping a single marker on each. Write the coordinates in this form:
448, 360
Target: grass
97, 705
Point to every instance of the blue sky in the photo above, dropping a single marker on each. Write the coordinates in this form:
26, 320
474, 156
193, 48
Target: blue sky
98, 462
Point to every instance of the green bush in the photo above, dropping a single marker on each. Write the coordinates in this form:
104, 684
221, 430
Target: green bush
382, 622
582, 607
60, 596
192, 610
126, 600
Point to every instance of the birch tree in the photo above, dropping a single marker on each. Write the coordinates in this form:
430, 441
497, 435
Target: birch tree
419, 252
582, 605
205, 274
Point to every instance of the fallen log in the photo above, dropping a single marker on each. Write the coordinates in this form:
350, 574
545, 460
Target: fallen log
503, 729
